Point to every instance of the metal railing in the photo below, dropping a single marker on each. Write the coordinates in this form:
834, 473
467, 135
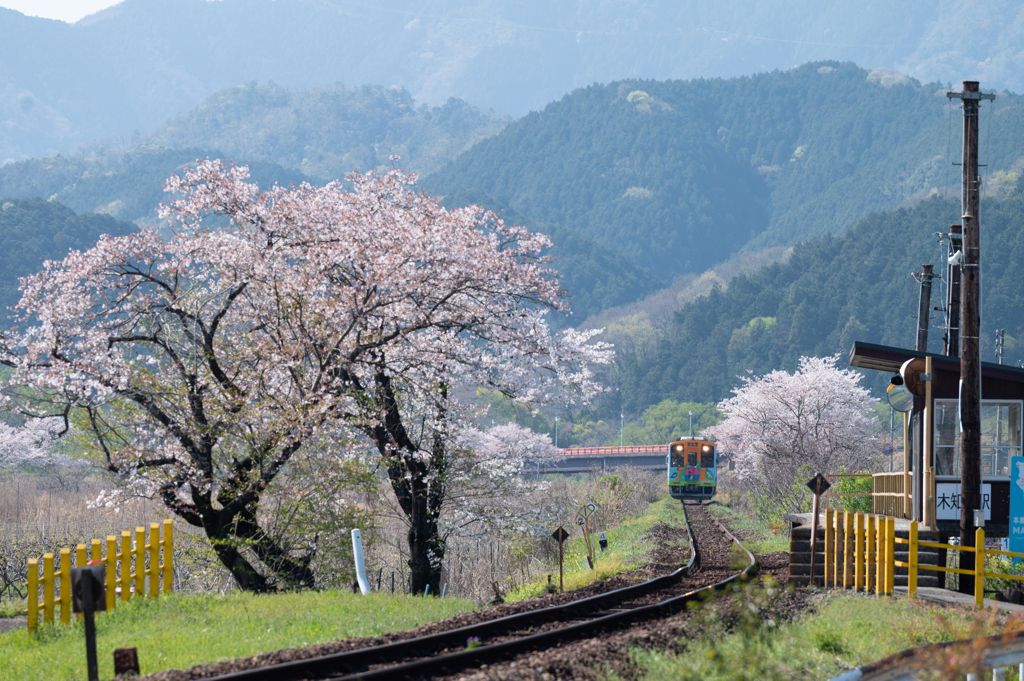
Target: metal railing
630, 449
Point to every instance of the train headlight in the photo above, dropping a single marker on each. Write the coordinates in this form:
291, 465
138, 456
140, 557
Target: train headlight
707, 449
679, 448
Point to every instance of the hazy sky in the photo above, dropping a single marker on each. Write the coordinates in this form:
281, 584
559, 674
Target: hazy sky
65, 10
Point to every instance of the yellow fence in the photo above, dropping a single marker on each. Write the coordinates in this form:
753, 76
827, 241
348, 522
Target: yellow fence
56, 583
860, 551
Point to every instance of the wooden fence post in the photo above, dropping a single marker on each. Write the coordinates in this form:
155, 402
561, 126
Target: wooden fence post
858, 551
65, 586
140, 562
869, 553
126, 565
48, 588
111, 561
168, 566
848, 529
33, 594
890, 555
154, 559
828, 546
879, 555
912, 560
979, 567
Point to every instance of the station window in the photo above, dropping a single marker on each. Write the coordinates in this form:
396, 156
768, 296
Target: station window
1000, 436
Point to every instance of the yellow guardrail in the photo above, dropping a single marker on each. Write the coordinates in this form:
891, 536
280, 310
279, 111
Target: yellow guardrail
57, 583
860, 551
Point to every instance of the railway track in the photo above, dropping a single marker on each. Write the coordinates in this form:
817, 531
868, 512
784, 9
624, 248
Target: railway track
444, 653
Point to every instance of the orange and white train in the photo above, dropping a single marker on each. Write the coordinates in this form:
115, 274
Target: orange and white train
692, 469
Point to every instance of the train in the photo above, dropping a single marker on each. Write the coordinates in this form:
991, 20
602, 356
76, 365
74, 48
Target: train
692, 469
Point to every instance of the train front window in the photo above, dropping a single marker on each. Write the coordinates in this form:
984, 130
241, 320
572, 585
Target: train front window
691, 459
676, 456
707, 456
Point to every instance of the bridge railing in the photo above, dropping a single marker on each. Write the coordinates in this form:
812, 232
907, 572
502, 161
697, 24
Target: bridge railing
607, 451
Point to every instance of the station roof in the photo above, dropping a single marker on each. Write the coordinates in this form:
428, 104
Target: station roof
886, 358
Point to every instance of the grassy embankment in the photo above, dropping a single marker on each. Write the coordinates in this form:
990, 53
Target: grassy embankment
183, 630
628, 547
179, 631
845, 630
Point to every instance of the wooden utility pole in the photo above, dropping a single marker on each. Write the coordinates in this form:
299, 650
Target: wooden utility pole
924, 308
970, 325
956, 245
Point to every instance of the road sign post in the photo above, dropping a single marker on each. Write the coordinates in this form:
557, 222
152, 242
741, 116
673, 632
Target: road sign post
818, 485
88, 596
560, 536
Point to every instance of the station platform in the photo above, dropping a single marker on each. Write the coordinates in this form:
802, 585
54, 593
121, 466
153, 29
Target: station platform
956, 598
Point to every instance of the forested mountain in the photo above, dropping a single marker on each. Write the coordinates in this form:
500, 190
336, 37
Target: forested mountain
677, 181
329, 131
33, 230
594, 278
141, 62
831, 292
128, 186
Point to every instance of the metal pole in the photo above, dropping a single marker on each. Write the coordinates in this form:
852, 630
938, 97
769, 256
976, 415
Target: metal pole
952, 348
556, 432
90, 625
691, 423
622, 429
970, 323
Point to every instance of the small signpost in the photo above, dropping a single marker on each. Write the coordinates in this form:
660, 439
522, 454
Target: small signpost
819, 484
560, 536
584, 515
888, 450
88, 594
602, 539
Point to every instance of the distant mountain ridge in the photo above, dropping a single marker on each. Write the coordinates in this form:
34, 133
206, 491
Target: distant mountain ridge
679, 175
138, 63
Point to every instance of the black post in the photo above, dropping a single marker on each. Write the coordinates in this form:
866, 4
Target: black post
924, 309
970, 325
90, 626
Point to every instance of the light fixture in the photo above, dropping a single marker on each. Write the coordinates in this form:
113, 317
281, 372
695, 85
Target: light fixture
956, 259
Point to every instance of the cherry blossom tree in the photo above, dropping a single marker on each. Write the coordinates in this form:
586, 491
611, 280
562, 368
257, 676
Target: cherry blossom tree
266, 324
818, 419
34, 443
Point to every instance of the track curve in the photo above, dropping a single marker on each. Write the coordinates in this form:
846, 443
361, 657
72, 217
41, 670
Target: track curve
444, 653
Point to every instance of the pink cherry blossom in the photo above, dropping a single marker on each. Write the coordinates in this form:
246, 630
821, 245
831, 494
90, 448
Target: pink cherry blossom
261, 324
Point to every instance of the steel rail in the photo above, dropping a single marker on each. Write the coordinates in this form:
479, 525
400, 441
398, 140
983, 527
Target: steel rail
350, 665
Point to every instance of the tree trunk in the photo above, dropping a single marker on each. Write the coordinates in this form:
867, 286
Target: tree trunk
418, 485
426, 551
229, 533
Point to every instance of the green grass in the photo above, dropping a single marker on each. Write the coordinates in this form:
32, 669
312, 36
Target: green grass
628, 548
768, 539
849, 631
13, 608
179, 631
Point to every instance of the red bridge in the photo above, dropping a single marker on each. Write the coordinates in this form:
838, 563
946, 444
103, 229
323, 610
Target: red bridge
614, 451
585, 459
